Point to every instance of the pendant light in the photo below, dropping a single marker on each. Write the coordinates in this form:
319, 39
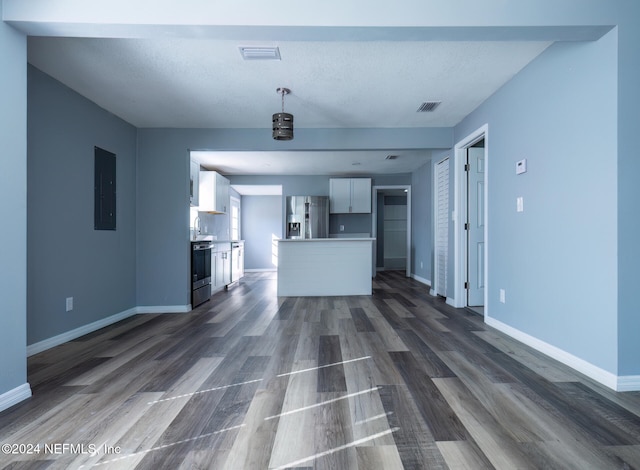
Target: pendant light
283, 122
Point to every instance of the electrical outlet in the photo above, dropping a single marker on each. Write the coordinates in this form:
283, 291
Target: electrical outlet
69, 304
342, 228
503, 296
420, 264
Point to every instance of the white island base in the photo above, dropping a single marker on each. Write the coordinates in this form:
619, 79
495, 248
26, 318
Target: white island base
325, 267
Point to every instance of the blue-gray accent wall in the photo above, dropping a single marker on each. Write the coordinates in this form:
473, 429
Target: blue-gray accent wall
13, 209
261, 221
628, 189
557, 259
66, 256
422, 222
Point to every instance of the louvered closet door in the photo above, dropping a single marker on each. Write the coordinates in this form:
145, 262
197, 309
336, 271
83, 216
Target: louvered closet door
442, 226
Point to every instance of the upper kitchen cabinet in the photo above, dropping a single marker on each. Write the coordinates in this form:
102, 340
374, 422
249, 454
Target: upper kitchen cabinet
214, 193
194, 185
350, 195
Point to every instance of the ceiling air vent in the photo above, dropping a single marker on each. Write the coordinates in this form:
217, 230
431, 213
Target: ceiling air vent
259, 53
428, 106
390, 157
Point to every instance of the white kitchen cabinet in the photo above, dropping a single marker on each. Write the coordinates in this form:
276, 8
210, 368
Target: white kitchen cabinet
237, 260
220, 266
194, 185
214, 193
350, 195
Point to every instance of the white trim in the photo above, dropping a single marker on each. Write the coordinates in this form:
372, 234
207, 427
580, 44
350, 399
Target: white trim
459, 300
62, 338
628, 383
261, 270
602, 376
164, 309
374, 222
421, 279
15, 396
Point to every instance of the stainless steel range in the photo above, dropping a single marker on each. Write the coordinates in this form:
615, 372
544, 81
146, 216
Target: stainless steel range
200, 272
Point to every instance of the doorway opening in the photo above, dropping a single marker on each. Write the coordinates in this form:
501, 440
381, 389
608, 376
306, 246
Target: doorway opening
470, 240
391, 227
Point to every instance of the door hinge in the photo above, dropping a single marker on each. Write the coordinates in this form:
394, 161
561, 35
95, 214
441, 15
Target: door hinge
467, 167
466, 226
466, 285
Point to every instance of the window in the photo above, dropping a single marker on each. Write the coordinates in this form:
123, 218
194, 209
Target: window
235, 219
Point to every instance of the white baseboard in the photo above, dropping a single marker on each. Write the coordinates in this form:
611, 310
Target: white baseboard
260, 270
62, 338
164, 309
15, 396
606, 378
450, 301
421, 279
628, 383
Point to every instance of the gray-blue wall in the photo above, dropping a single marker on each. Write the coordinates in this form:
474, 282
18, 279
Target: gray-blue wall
13, 209
66, 256
261, 221
422, 222
628, 190
557, 259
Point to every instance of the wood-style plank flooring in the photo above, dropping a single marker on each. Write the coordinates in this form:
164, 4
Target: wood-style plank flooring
396, 380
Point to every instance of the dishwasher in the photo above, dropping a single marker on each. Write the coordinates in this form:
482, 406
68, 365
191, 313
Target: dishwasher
237, 260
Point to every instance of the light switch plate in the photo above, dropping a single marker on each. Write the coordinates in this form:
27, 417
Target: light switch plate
69, 304
520, 204
521, 166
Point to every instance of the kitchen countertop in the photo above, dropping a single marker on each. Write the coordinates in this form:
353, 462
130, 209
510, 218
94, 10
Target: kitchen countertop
204, 238
346, 239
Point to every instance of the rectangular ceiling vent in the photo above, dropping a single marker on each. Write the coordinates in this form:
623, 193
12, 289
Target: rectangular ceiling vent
259, 53
390, 157
428, 106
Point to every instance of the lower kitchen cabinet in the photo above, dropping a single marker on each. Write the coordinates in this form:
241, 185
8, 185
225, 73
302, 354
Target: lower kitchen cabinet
237, 260
220, 266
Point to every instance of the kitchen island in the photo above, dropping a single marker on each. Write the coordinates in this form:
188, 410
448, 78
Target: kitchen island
325, 267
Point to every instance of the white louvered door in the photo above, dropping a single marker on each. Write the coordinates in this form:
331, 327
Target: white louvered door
442, 226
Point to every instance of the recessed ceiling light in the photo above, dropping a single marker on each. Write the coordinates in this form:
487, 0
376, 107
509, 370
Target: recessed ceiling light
260, 52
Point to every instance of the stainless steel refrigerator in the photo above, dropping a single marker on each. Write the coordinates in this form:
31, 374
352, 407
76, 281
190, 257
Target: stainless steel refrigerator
307, 217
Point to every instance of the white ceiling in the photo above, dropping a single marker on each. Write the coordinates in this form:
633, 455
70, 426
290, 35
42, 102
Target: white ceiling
334, 163
205, 83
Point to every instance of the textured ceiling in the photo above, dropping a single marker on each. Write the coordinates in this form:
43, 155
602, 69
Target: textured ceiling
205, 83
195, 83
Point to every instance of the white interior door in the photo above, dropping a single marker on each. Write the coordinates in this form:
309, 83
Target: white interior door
442, 226
475, 232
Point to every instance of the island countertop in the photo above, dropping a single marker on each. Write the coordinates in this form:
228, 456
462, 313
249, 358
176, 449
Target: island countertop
346, 239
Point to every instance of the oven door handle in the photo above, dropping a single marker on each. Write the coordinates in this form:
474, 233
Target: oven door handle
202, 247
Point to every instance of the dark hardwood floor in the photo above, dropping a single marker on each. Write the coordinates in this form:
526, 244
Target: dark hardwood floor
248, 381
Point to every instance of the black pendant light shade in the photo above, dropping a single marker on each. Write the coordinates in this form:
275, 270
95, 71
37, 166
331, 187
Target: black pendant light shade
282, 122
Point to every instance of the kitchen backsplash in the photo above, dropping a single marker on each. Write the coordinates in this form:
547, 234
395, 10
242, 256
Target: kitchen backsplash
212, 224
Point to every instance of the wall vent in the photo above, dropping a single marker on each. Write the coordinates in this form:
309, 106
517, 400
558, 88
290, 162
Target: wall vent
428, 106
259, 53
